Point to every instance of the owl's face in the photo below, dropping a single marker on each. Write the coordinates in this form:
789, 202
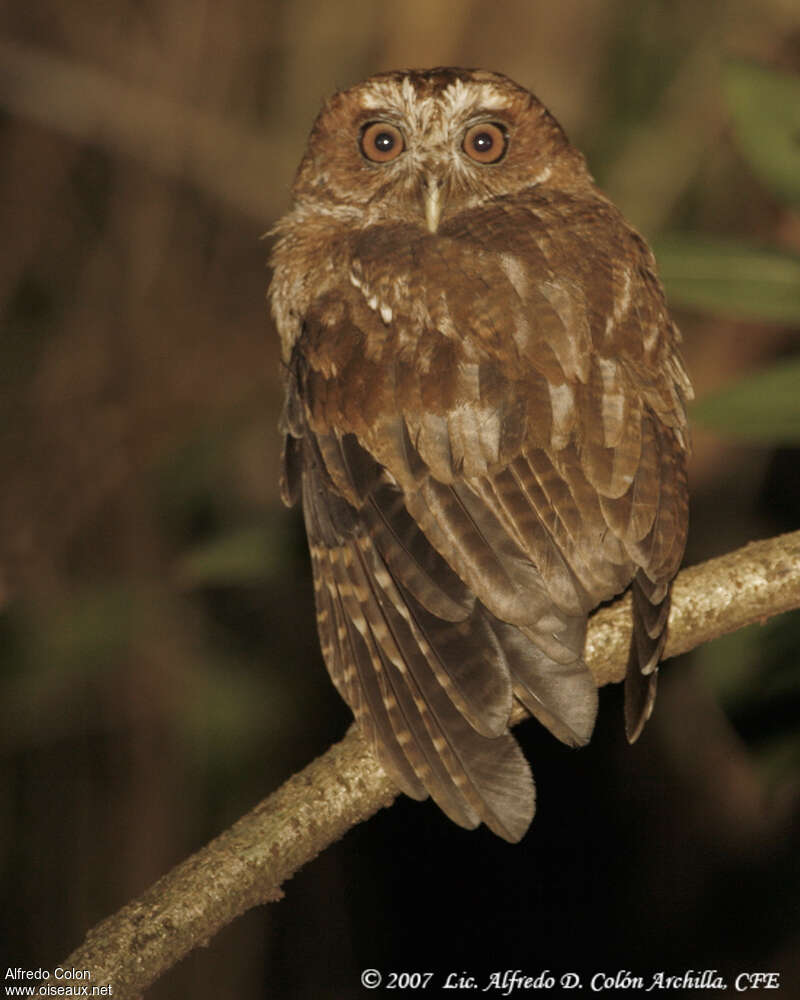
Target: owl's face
421, 146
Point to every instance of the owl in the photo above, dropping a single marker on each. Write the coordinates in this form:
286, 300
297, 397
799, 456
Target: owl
485, 421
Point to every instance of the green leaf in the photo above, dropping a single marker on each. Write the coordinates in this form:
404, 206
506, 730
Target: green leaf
730, 279
754, 674
245, 555
764, 407
765, 107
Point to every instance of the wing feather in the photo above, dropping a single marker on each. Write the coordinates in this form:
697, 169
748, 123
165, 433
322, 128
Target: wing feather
422, 681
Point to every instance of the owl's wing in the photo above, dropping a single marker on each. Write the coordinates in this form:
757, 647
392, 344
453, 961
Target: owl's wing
487, 451
408, 646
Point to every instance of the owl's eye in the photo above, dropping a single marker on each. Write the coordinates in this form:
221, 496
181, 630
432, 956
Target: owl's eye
485, 143
381, 142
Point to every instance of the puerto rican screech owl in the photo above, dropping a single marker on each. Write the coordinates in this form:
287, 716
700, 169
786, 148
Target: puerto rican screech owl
485, 419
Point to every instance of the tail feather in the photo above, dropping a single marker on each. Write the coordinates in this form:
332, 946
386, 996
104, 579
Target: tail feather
651, 604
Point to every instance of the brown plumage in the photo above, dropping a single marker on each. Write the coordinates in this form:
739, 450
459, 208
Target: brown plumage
485, 419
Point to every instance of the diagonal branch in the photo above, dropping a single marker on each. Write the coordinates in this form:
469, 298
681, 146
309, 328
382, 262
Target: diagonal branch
227, 161
248, 863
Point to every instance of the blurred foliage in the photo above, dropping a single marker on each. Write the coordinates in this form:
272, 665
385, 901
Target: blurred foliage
765, 110
764, 407
245, 555
159, 665
730, 278
756, 673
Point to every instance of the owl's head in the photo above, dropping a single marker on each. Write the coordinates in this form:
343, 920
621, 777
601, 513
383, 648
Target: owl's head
423, 145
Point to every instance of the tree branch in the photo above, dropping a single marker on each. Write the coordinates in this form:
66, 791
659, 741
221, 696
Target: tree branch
226, 161
248, 863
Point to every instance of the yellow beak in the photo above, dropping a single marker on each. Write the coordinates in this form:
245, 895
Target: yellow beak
433, 203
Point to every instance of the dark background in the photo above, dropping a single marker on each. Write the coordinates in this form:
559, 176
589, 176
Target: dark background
159, 667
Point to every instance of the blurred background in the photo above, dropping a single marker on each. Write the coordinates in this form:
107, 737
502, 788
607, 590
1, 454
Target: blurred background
159, 666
